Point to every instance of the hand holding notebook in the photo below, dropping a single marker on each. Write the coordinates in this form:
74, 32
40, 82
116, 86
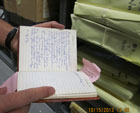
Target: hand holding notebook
48, 57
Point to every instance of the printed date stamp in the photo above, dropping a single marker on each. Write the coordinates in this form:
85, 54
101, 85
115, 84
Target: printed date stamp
107, 110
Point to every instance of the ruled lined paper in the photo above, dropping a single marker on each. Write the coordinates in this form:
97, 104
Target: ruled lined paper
47, 49
66, 84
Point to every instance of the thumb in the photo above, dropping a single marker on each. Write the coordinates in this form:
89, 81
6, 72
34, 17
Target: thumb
3, 90
25, 97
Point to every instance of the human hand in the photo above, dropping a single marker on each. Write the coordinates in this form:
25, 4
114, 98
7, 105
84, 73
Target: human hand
51, 24
19, 102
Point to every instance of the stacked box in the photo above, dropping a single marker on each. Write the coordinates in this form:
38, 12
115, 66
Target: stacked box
35, 10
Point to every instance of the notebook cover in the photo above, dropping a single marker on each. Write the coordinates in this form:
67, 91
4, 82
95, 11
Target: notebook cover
67, 99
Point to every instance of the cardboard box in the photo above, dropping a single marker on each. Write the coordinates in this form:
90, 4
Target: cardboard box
10, 5
35, 10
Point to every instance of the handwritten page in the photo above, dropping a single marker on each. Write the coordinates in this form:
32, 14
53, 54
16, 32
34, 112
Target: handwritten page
47, 49
66, 84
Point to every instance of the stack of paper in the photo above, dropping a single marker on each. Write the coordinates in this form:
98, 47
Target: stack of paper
124, 21
110, 64
119, 92
106, 27
131, 106
114, 80
131, 6
127, 47
113, 25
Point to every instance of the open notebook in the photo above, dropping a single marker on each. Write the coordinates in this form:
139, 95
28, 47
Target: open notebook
48, 57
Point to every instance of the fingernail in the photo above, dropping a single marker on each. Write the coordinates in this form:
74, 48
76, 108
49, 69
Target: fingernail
51, 91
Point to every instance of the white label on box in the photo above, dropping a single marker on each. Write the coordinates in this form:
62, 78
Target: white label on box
45, 9
18, 2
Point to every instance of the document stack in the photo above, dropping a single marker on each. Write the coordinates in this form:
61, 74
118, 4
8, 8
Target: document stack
110, 30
